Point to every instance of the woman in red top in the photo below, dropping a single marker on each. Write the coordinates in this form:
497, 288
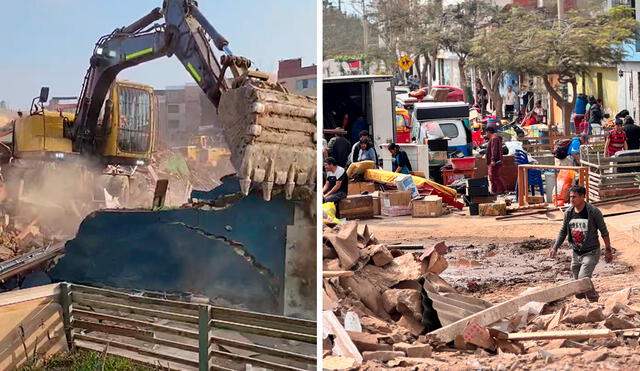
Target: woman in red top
530, 119
616, 140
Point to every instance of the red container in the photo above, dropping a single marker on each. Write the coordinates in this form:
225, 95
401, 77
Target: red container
464, 163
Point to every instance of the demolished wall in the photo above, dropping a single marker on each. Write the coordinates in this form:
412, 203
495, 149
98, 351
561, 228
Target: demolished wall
231, 249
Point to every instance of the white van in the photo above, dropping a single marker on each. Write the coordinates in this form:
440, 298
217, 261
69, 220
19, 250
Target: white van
436, 120
372, 96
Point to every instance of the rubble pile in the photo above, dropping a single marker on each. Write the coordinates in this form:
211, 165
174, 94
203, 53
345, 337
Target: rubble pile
385, 307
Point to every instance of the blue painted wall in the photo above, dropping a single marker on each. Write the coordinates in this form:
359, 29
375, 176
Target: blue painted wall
161, 251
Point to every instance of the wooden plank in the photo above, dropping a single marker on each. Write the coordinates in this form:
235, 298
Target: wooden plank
109, 329
138, 349
133, 322
48, 292
265, 320
135, 298
226, 325
266, 323
343, 343
146, 336
238, 359
569, 334
263, 349
78, 298
497, 312
329, 274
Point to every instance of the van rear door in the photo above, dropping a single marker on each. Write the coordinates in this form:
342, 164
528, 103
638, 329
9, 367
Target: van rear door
383, 109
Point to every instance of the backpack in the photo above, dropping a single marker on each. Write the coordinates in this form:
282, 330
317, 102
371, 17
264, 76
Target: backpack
561, 149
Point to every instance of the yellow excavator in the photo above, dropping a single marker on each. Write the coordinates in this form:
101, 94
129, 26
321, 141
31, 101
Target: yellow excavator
269, 132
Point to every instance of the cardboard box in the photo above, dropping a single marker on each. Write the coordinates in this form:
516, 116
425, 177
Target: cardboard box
395, 198
358, 188
428, 207
395, 210
437, 157
405, 183
356, 207
535, 200
376, 205
493, 209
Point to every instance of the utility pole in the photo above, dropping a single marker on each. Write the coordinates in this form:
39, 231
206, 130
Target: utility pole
560, 9
365, 27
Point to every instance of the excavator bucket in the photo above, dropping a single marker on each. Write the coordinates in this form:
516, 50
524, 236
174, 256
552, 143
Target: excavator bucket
271, 135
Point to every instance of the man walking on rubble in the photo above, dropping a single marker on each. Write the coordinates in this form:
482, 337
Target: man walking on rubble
581, 224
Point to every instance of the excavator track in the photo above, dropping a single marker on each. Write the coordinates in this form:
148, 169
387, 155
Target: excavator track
271, 135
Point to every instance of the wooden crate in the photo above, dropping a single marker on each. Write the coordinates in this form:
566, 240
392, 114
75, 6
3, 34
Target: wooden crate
356, 207
429, 207
376, 205
493, 209
358, 188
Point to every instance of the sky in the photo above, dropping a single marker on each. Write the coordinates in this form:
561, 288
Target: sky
49, 42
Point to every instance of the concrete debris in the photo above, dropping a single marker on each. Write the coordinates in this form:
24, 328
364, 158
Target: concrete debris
382, 355
413, 319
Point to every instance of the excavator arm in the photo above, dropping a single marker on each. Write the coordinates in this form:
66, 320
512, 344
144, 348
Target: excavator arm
267, 129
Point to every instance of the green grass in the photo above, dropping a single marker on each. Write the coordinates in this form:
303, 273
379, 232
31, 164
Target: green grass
83, 361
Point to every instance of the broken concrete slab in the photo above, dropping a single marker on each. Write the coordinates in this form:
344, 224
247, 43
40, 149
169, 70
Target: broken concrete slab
338, 363
344, 239
616, 322
382, 257
414, 327
343, 345
620, 297
595, 355
592, 315
383, 355
405, 301
367, 342
414, 350
497, 312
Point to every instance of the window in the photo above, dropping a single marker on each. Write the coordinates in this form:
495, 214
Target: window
306, 84
449, 130
174, 123
134, 134
173, 108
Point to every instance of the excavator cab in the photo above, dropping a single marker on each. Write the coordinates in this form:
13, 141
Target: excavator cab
128, 124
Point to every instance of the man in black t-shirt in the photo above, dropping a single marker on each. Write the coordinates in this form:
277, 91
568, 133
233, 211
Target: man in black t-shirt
336, 186
581, 224
633, 133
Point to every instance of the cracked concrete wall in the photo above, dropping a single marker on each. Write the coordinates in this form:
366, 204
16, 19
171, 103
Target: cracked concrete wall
234, 255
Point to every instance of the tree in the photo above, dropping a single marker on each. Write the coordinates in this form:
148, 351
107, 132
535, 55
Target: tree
461, 23
343, 33
425, 23
545, 46
390, 19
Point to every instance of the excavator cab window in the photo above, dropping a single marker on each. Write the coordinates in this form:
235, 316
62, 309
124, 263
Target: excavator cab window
134, 132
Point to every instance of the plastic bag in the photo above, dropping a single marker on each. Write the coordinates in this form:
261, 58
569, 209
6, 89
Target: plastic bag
329, 213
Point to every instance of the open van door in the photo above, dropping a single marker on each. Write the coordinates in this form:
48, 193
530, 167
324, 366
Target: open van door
383, 107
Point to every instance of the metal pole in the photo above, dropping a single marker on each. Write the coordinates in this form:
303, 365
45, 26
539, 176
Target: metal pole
204, 317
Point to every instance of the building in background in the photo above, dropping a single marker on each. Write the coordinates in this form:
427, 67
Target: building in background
185, 112
297, 79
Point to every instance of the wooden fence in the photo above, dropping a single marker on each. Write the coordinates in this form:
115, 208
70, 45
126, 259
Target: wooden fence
537, 145
610, 177
184, 335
